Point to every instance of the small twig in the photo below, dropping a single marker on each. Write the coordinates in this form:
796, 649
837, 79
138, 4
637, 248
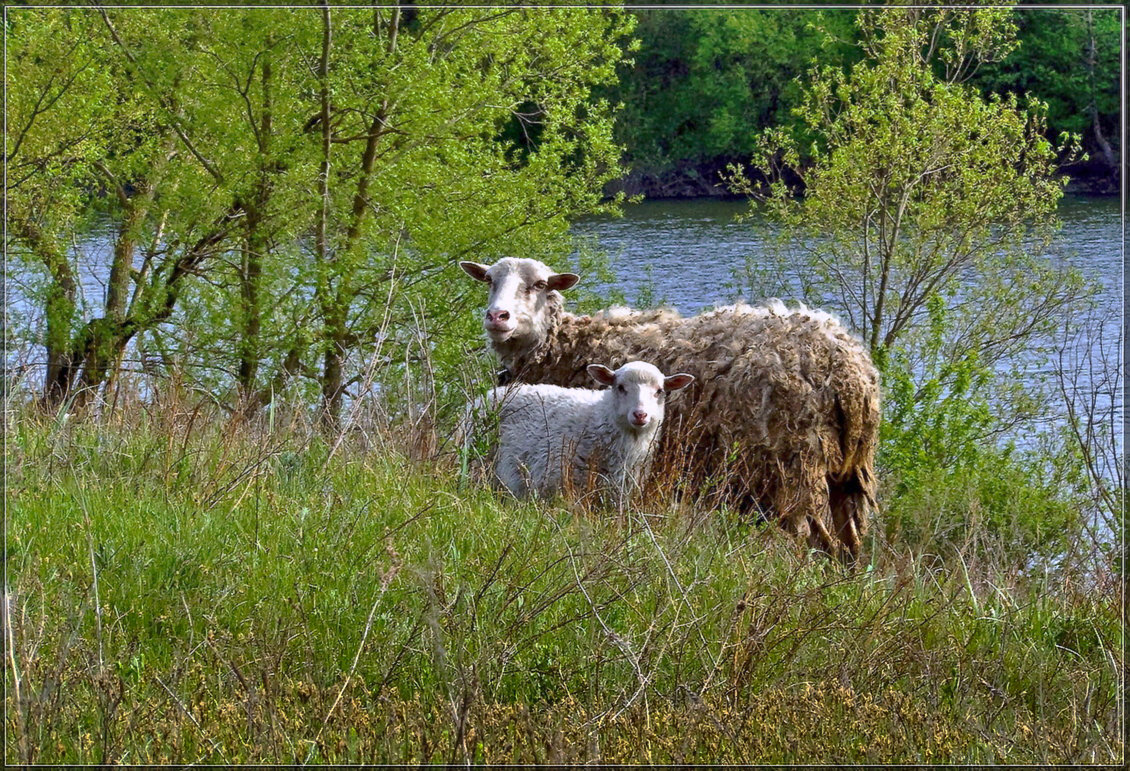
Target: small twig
191, 717
616, 639
9, 639
386, 581
716, 660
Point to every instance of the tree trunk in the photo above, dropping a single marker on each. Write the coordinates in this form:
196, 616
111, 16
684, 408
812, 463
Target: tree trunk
1091, 61
102, 346
254, 252
60, 310
336, 285
104, 340
1109, 158
333, 371
61, 365
250, 312
118, 289
332, 368
337, 332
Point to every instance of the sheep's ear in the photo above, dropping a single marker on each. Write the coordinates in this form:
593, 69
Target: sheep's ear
475, 270
602, 374
675, 382
562, 281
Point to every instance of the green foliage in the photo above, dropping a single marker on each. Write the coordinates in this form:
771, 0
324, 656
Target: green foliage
257, 244
704, 81
1069, 59
949, 486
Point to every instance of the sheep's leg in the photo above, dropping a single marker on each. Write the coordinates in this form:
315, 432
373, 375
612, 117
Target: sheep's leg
812, 531
820, 538
848, 503
801, 501
749, 506
849, 500
514, 475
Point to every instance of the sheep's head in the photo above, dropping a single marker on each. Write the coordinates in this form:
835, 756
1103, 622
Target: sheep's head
522, 294
638, 392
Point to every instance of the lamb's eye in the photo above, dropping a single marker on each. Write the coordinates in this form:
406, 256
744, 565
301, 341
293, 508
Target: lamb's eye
621, 389
659, 393
539, 285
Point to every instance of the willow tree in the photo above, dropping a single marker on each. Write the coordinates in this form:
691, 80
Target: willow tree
88, 140
903, 184
110, 149
442, 133
283, 184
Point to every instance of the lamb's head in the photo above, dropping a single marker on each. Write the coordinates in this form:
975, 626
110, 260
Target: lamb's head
638, 392
523, 294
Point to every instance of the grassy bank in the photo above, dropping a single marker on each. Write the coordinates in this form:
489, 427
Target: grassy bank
184, 588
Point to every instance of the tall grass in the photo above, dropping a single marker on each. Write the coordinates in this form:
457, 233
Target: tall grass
189, 587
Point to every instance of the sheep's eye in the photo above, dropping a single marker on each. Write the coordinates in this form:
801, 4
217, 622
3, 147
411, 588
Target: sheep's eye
540, 285
621, 389
659, 393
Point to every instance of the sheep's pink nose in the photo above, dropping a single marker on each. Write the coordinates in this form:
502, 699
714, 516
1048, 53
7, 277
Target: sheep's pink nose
493, 317
639, 417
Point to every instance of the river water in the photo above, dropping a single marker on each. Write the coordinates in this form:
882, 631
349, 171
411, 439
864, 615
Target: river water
684, 252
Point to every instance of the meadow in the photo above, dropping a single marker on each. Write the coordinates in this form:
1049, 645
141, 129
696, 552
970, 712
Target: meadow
189, 587
237, 342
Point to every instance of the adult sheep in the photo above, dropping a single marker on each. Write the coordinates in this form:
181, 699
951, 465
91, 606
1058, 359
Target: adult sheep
783, 416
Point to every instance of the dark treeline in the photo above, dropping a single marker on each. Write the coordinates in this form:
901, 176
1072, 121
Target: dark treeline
706, 83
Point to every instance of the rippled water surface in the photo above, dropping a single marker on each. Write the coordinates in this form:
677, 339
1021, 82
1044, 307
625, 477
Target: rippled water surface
687, 250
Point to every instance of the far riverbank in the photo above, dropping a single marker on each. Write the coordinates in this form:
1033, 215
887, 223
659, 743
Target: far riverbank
704, 180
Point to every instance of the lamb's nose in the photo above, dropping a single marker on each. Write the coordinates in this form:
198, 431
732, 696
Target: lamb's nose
639, 416
496, 316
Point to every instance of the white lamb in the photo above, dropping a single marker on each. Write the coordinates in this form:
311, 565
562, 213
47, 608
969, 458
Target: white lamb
548, 434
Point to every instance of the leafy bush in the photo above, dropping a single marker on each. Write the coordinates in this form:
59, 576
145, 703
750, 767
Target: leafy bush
951, 484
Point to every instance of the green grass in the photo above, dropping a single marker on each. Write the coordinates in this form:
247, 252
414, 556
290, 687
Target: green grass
190, 590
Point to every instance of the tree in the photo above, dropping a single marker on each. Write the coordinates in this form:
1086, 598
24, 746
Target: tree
703, 78
1069, 58
918, 209
916, 187
286, 185
46, 167
450, 133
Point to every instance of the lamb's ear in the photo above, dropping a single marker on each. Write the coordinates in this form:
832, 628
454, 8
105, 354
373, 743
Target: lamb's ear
475, 270
602, 374
675, 382
562, 281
